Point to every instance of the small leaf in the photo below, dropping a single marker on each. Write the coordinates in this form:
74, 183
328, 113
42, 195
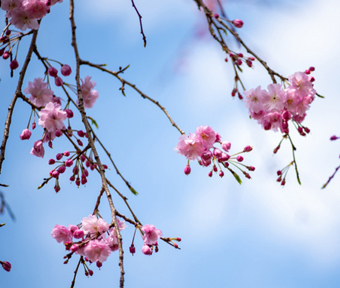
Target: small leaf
239, 68
319, 95
134, 192
2, 224
238, 179
94, 122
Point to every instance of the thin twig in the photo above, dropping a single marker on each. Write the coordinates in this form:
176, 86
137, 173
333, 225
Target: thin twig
140, 22
133, 86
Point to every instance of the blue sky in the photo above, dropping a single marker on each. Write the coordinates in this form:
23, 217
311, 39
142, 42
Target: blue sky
254, 235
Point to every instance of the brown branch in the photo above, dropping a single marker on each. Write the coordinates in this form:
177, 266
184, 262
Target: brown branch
93, 147
133, 86
140, 22
15, 97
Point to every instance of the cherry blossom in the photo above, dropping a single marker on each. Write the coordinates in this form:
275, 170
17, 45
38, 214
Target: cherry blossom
52, 117
94, 225
151, 234
40, 94
61, 234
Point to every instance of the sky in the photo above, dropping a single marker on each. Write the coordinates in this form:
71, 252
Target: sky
257, 234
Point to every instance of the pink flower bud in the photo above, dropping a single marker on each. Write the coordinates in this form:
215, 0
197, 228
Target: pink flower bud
34, 125
187, 170
217, 153
85, 172
56, 188
69, 113
59, 156
224, 157
58, 133
74, 248
210, 174
215, 168
239, 62
78, 181
53, 72
66, 153
78, 234
105, 166
82, 158
237, 23
239, 158
79, 142
75, 170
216, 16
334, 138
6, 265
55, 174
251, 168
72, 178
51, 161
68, 162
25, 134
99, 264
226, 146
14, 64
247, 149
307, 71
81, 133
50, 144
279, 172
312, 68
66, 70
6, 55
83, 180
58, 81
206, 155
307, 130
61, 169
221, 174
90, 272
132, 249
146, 250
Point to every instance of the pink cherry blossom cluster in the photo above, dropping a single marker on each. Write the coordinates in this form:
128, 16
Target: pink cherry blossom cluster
200, 145
93, 239
273, 108
79, 171
24, 14
150, 238
51, 115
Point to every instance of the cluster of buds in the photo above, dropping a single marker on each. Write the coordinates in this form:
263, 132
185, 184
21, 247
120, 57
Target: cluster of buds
200, 146
53, 72
79, 171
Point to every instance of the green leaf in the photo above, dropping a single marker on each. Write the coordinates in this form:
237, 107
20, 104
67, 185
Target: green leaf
238, 179
319, 95
93, 122
134, 192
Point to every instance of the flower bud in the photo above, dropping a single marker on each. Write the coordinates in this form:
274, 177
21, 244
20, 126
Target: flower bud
132, 249
58, 133
58, 81
247, 149
66, 70
25, 134
187, 170
14, 64
68, 162
6, 55
99, 264
69, 113
221, 174
53, 72
239, 158
51, 161
146, 250
237, 23
6, 265
59, 156
78, 234
61, 169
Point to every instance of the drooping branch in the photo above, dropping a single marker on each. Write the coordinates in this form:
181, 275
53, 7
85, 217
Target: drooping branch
140, 22
133, 86
17, 94
93, 147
